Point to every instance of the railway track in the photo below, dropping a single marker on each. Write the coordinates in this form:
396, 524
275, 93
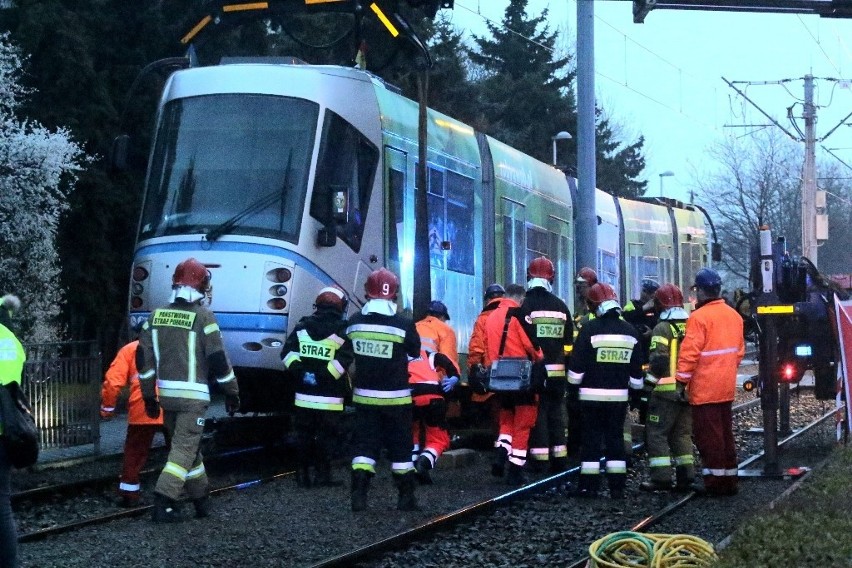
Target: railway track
420, 535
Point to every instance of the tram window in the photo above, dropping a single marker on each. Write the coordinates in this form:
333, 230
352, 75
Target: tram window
459, 227
396, 185
346, 159
235, 163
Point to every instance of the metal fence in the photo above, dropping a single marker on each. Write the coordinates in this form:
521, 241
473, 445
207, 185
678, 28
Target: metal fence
63, 382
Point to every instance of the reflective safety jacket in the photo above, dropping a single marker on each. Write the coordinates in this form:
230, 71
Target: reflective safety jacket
476, 347
424, 376
607, 360
551, 329
437, 336
318, 354
711, 353
666, 339
382, 345
179, 347
518, 342
12, 359
121, 372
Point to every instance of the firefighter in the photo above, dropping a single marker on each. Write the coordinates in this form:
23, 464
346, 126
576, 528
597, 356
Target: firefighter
140, 428
436, 335
606, 363
586, 277
180, 346
477, 371
317, 354
383, 342
553, 332
640, 313
710, 354
668, 431
506, 332
12, 359
432, 376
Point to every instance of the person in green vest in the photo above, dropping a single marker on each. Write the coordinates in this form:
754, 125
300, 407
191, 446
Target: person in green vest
12, 360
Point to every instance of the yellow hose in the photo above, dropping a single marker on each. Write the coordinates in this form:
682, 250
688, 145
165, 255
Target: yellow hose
637, 550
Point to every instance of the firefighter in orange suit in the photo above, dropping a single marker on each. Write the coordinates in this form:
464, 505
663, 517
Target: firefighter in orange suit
435, 333
431, 376
668, 429
180, 346
712, 349
518, 410
552, 330
140, 428
476, 357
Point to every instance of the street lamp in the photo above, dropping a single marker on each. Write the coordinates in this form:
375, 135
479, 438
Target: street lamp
662, 175
559, 136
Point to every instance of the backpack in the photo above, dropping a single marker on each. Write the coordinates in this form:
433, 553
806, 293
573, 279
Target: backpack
20, 435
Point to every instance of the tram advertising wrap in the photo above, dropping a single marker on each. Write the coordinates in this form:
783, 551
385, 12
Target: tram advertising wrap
283, 179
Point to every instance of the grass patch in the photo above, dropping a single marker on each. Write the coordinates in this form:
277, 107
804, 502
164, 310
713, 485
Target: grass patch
813, 527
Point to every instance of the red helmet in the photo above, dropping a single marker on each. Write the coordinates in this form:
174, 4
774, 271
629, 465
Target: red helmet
541, 267
331, 297
600, 293
381, 285
587, 275
669, 296
192, 273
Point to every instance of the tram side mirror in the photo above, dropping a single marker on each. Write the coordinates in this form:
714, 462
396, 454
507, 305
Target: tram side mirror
118, 153
716, 252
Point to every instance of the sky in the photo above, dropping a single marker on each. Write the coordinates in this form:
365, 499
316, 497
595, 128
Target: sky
663, 78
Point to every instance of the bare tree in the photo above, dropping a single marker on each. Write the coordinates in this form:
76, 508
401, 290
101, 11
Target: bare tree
755, 181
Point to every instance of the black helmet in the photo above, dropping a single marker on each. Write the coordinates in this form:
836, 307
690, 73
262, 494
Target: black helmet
437, 308
494, 291
649, 286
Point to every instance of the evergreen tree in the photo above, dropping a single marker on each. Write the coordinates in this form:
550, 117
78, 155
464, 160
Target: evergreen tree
527, 96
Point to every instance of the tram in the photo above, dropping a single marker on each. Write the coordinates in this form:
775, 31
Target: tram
285, 178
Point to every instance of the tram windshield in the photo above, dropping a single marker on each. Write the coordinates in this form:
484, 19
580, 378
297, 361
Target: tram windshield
231, 163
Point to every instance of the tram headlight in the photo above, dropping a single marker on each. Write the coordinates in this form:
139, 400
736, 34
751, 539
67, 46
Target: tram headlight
278, 290
276, 304
279, 275
136, 302
139, 273
136, 289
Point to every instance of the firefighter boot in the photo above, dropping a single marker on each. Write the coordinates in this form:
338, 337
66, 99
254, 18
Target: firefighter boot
422, 466
323, 478
202, 507
515, 475
405, 485
683, 479
165, 510
499, 464
360, 485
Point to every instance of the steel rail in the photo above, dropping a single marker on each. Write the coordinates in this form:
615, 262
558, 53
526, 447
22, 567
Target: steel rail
442, 522
41, 534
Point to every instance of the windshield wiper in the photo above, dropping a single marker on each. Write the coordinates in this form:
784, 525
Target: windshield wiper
228, 225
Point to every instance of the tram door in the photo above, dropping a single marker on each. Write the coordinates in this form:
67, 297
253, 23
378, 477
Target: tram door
399, 220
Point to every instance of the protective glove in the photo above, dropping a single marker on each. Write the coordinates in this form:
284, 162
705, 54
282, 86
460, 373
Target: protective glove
232, 403
152, 408
447, 383
107, 414
680, 389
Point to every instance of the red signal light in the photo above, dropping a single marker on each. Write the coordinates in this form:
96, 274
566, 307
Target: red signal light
788, 373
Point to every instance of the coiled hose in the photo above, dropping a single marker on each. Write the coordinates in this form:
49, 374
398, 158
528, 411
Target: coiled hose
636, 550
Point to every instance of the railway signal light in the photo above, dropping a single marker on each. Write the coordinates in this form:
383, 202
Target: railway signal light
788, 373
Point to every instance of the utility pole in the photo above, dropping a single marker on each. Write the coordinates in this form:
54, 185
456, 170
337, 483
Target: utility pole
587, 222
809, 186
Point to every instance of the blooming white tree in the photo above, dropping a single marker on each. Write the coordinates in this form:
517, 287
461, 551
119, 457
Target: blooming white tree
37, 172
